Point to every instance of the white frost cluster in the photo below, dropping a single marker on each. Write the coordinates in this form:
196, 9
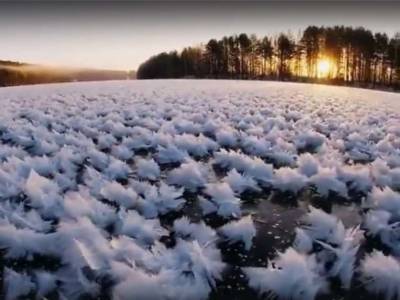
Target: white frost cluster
190, 175
291, 276
98, 175
241, 230
381, 220
338, 246
381, 275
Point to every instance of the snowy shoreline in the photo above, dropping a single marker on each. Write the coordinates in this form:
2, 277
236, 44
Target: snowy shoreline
267, 81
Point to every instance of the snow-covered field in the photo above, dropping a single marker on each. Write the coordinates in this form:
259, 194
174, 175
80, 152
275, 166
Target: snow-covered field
199, 190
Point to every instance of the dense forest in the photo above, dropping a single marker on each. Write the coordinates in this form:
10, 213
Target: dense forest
338, 55
15, 73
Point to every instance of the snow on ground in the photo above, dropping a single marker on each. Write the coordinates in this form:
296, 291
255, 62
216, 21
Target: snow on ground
136, 189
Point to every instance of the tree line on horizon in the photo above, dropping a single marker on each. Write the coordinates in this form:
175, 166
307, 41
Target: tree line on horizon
356, 56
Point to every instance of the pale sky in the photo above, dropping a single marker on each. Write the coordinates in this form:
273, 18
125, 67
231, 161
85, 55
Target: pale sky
122, 35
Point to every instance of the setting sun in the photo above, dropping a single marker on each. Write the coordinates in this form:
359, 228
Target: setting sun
323, 67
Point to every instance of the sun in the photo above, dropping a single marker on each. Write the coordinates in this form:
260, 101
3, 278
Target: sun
323, 67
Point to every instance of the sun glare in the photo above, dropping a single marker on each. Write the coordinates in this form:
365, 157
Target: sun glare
323, 67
